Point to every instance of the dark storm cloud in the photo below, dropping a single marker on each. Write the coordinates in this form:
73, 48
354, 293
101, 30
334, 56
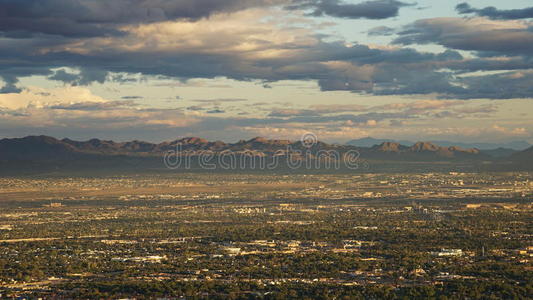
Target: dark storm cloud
494, 13
407, 55
96, 18
9, 85
9, 74
375, 71
498, 86
334, 65
469, 34
9, 88
500, 46
64, 76
376, 9
91, 18
490, 64
400, 80
85, 77
403, 80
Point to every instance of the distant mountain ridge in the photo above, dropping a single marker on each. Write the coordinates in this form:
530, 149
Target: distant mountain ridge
36, 152
420, 151
45, 146
524, 158
514, 145
40, 147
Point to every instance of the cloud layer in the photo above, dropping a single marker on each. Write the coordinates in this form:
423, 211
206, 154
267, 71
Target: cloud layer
376, 9
494, 13
91, 18
255, 40
474, 34
76, 45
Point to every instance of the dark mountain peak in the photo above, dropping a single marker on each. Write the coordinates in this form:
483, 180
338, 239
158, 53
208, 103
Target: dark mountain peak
219, 143
456, 148
370, 142
138, 146
40, 139
515, 145
259, 139
137, 142
193, 141
424, 146
259, 144
460, 149
262, 140
35, 147
369, 139
95, 142
95, 145
388, 147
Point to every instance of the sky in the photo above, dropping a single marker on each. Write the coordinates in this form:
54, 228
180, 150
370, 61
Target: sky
158, 70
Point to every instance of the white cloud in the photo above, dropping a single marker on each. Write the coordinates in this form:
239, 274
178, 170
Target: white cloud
38, 97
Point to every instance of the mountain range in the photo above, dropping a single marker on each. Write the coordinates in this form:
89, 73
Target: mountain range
45, 147
513, 145
34, 153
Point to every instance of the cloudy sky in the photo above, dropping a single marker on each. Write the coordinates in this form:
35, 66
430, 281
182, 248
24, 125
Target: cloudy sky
234, 69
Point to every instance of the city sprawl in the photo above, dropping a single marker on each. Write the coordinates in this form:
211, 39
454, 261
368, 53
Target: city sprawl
433, 235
